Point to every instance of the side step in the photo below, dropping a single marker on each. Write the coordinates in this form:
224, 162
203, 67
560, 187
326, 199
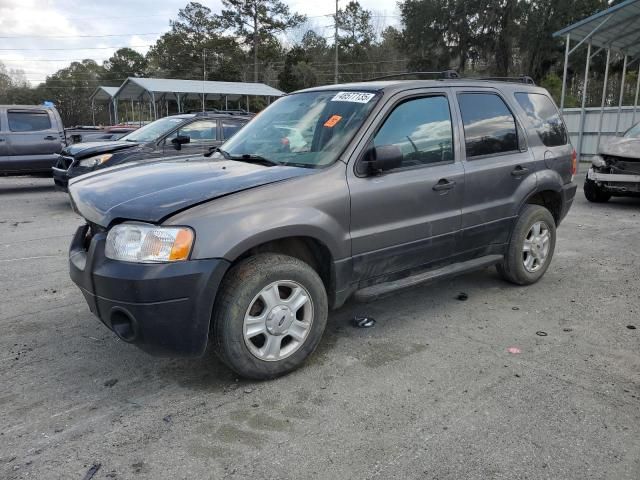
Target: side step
381, 289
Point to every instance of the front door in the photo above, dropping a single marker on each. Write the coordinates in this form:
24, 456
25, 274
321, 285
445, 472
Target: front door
34, 140
203, 134
408, 217
4, 141
499, 170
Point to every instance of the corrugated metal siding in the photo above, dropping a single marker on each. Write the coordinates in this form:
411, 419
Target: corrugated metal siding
591, 122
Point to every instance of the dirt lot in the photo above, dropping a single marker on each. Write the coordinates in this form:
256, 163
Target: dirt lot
430, 392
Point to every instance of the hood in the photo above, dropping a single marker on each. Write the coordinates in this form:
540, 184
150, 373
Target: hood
81, 150
150, 192
622, 147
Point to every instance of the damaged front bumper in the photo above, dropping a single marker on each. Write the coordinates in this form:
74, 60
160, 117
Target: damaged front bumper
615, 182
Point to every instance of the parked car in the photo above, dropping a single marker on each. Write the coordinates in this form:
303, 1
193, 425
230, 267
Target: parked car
399, 182
183, 134
31, 137
615, 171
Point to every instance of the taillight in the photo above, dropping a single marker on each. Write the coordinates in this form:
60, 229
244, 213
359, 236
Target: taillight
574, 163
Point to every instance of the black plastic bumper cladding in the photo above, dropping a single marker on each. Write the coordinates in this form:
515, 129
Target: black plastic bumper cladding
567, 193
164, 308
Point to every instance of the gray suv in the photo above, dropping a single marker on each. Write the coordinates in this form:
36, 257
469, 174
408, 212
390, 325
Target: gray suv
31, 137
357, 189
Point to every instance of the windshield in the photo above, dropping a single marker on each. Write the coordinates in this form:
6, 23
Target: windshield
304, 129
633, 132
154, 130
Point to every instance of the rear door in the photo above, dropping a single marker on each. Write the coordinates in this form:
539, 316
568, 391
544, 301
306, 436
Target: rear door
499, 169
203, 134
409, 217
34, 139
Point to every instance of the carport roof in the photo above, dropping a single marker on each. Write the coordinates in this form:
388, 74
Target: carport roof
617, 28
134, 88
103, 93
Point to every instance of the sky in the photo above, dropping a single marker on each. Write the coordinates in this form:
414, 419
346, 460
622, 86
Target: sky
41, 37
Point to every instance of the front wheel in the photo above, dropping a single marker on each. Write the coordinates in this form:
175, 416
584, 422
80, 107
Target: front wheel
594, 193
531, 247
269, 316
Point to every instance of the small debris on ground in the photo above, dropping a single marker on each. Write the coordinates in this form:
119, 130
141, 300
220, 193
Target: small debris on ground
248, 390
363, 322
514, 350
515, 308
567, 329
462, 297
92, 471
631, 327
167, 419
540, 333
111, 382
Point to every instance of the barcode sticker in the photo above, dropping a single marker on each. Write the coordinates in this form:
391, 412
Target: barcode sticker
357, 97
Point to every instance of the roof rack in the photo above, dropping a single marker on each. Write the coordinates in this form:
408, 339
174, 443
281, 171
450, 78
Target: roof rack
444, 74
519, 79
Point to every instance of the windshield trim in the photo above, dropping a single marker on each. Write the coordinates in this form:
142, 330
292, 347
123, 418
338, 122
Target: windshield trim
161, 137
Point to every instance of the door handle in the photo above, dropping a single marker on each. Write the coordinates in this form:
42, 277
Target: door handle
49, 137
444, 184
519, 171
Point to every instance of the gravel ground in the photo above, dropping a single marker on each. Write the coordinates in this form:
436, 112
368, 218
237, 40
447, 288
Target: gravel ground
430, 392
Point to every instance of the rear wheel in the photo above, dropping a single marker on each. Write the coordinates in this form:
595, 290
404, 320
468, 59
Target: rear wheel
269, 316
531, 247
594, 193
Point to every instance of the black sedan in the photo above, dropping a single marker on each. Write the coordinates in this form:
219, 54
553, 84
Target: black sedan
184, 134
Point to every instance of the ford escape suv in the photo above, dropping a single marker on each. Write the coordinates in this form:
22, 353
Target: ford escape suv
329, 192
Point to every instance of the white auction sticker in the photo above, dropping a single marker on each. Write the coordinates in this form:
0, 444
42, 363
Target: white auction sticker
357, 97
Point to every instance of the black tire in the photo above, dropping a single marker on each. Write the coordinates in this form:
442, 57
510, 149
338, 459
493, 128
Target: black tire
594, 193
512, 268
239, 288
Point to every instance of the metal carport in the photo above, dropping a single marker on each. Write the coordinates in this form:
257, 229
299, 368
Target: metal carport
616, 29
102, 94
158, 90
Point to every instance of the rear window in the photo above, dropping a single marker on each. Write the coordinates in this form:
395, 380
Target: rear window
544, 117
28, 121
489, 126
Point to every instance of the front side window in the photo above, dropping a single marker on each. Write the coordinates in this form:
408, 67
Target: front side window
421, 128
33, 121
489, 126
229, 128
544, 117
200, 131
633, 132
307, 129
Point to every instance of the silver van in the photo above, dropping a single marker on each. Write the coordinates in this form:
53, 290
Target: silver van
31, 137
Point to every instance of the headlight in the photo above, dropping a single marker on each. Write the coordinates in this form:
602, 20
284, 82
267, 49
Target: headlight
598, 162
143, 243
95, 161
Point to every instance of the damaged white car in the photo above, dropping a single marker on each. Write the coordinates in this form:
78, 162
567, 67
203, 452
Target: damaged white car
615, 171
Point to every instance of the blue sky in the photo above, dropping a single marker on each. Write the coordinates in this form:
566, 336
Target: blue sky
96, 29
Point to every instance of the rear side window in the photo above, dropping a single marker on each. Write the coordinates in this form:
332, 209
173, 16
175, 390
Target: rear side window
544, 117
489, 126
28, 121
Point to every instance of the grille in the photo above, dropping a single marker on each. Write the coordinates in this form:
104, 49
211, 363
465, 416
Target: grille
624, 166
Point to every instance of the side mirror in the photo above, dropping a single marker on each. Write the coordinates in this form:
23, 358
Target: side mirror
180, 140
383, 158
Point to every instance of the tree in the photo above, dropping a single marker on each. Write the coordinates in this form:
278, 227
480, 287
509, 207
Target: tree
124, 63
354, 26
256, 20
297, 72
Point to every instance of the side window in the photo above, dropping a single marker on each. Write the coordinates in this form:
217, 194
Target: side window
229, 128
489, 126
422, 129
32, 121
199, 131
544, 117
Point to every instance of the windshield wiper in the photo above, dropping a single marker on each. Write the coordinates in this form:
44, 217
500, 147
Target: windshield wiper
250, 158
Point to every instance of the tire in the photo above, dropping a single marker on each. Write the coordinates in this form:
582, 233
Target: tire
594, 193
513, 268
254, 297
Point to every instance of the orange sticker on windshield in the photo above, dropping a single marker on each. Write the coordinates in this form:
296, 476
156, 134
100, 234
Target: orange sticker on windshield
333, 121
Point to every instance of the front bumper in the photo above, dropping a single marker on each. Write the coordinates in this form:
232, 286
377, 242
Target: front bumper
61, 179
163, 308
612, 177
567, 193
